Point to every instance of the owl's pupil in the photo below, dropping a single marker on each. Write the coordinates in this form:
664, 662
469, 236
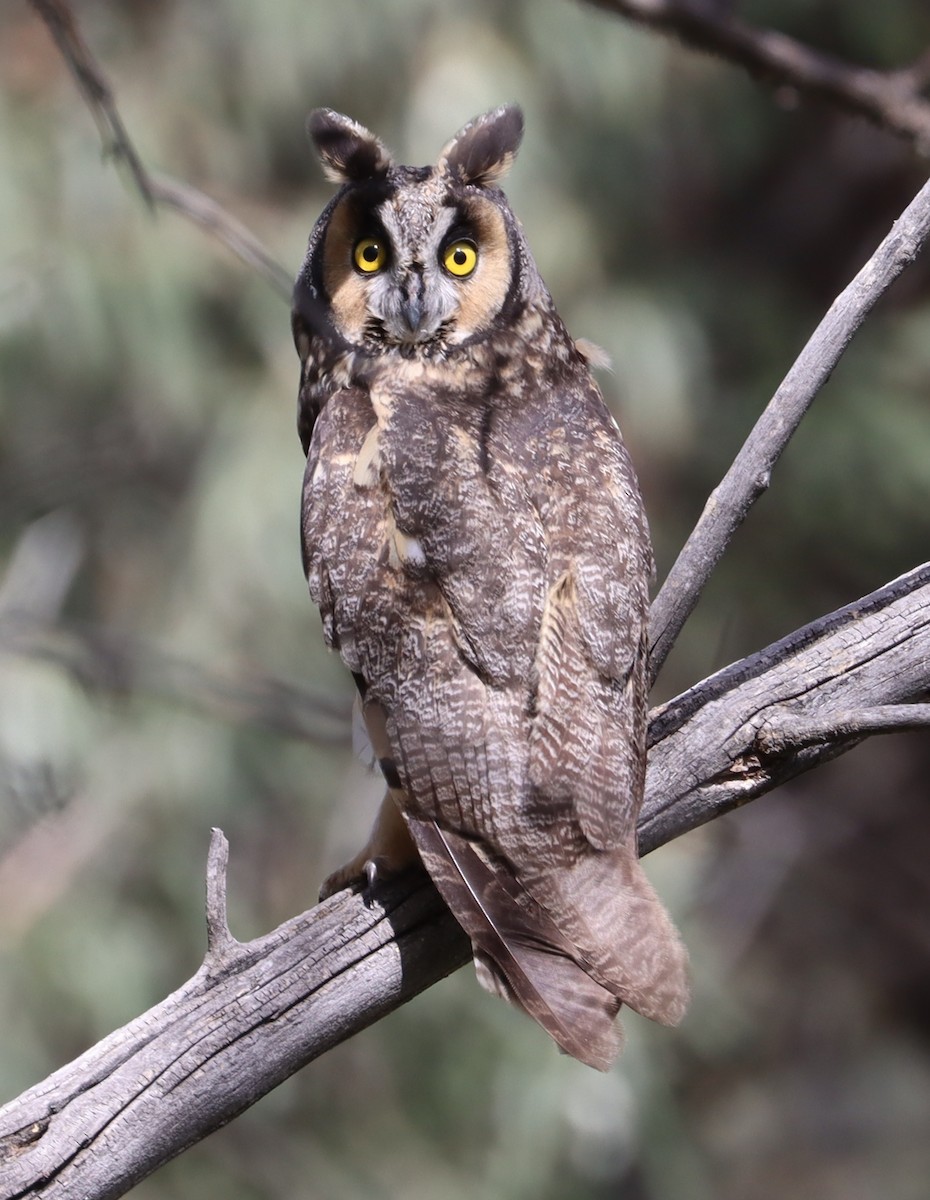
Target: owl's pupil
459, 257
370, 253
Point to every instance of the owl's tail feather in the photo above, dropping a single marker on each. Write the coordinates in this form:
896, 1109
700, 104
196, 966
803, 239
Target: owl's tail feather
519, 950
608, 911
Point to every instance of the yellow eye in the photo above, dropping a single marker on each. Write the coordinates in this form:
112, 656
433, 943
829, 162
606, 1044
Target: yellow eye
370, 255
460, 258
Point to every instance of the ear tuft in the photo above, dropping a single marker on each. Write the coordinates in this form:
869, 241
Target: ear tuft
482, 152
348, 152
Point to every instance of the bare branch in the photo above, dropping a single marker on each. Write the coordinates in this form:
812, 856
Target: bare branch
209, 215
256, 1012
891, 100
155, 190
93, 86
220, 942
786, 730
751, 471
705, 752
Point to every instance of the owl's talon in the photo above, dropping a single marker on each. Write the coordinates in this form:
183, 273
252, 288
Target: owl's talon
363, 873
379, 869
359, 877
387, 852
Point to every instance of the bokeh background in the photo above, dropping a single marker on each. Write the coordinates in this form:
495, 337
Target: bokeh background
161, 667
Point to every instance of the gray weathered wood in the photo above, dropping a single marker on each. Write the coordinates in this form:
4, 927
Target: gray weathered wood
751, 471
251, 1016
711, 748
256, 1012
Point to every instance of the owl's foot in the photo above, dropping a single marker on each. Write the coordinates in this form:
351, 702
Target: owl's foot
362, 874
353, 874
388, 851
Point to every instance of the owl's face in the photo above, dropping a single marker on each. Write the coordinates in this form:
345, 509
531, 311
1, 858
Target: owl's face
421, 259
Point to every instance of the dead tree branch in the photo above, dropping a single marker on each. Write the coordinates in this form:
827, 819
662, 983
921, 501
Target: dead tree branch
890, 99
156, 190
257, 1012
830, 675
786, 730
751, 472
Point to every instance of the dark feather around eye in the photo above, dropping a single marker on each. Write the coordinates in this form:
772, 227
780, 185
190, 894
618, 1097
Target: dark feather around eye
462, 229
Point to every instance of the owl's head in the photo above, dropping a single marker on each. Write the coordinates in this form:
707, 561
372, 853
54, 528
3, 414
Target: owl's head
424, 258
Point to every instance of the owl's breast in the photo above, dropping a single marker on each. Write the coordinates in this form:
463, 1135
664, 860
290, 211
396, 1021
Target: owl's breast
459, 493
418, 533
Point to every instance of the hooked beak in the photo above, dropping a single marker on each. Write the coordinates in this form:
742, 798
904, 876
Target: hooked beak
412, 312
412, 306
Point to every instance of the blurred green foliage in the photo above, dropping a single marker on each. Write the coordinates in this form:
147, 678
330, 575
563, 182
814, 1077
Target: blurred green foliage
149, 484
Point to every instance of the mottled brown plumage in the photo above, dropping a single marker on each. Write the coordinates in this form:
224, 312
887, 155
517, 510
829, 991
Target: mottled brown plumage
474, 537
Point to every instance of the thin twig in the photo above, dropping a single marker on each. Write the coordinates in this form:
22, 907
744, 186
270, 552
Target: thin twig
93, 86
212, 217
751, 471
155, 190
890, 99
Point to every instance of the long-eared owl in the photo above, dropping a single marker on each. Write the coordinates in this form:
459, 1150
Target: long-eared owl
474, 537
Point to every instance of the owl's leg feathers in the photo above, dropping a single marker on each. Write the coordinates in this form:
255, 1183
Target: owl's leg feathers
390, 848
388, 851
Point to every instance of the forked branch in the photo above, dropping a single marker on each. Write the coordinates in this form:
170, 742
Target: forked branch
751, 472
890, 99
256, 1012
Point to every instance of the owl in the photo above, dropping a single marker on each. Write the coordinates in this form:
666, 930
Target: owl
474, 537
